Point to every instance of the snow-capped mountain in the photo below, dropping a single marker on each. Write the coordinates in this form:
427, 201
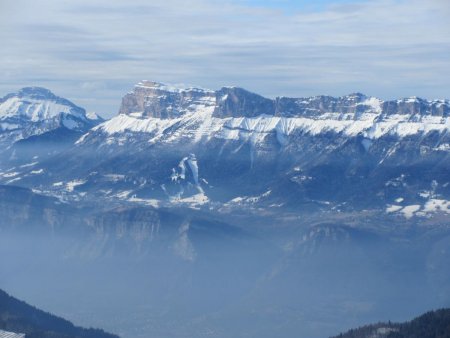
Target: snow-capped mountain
286, 205
250, 149
232, 147
34, 111
34, 115
233, 113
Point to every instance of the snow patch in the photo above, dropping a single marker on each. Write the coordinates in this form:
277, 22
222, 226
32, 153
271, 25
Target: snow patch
70, 186
29, 165
93, 116
192, 161
248, 199
410, 210
147, 201
114, 177
8, 126
8, 334
443, 147
10, 174
437, 205
393, 208
194, 200
425, 194
373, 103
123, 194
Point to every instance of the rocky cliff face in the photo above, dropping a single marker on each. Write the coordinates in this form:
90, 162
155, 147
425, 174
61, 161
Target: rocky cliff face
152, 99
237, 102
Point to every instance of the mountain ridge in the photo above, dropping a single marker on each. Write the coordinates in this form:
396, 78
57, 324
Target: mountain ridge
153, 98
302, 157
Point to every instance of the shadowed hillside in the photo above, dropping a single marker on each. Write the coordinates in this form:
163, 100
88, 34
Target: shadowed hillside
433, 324
18, 316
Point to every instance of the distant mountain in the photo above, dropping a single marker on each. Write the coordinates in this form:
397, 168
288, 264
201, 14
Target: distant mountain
36, 118
19, 317
434, 324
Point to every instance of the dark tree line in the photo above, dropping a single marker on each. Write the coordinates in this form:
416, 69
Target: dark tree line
433, 324
18, 316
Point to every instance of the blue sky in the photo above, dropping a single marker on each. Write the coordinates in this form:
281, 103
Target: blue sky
94, 51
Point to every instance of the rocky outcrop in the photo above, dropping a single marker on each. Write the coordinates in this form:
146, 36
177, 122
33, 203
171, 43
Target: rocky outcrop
237, 102
153, 99
417, 106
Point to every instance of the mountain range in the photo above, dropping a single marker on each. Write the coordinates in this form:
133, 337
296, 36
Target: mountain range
305, 215
199, 147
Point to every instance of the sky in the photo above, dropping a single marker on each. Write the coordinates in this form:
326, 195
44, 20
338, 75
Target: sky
93, 51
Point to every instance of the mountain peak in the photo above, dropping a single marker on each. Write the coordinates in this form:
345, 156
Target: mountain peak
36, 93
36, 110
38, 104
93, 116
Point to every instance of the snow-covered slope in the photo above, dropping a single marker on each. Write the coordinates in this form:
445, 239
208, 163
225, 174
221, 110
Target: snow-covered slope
7, 334
35, 111
201, 124
36, 104
173, 114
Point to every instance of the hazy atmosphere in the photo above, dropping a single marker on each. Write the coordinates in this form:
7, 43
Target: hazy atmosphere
93, 51
254, 169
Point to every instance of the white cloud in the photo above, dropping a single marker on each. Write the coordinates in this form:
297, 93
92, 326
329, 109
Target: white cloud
95, 50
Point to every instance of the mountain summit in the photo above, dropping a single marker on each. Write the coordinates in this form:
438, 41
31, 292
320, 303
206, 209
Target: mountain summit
35, 113
36, 104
